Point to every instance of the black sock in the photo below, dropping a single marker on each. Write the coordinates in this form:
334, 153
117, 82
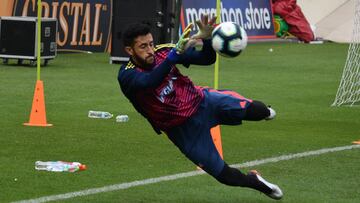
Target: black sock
234, 177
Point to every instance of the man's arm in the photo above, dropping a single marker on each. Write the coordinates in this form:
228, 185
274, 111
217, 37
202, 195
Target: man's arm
206, 56
131, 79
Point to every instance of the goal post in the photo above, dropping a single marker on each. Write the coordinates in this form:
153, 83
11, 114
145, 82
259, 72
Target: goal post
349, 89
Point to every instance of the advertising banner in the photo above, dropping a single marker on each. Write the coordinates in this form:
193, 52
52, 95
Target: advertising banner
255, 16
83, 25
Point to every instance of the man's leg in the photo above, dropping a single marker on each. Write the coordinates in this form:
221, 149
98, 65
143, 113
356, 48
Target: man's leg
234, 177
193, 138
232, 108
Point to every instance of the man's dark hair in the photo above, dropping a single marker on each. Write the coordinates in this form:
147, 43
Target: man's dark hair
133, 31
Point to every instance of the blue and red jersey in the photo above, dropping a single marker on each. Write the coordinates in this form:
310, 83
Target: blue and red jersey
162, 94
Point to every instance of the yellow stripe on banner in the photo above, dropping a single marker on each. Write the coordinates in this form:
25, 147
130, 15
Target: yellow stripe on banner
38, 39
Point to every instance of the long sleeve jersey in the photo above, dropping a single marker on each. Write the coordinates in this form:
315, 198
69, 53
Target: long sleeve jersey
162, 94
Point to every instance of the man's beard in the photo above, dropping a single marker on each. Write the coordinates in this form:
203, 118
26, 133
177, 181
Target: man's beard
143, 63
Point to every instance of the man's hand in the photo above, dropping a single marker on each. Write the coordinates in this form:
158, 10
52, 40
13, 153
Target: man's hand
205, 27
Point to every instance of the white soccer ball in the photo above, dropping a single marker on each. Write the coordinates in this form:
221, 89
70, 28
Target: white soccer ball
229, 39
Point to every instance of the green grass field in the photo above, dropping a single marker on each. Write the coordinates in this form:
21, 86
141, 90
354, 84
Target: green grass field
299, 81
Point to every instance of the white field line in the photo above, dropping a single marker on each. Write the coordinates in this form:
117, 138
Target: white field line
122, 186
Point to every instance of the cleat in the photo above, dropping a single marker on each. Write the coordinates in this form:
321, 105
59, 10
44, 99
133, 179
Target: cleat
276, 192
272, 114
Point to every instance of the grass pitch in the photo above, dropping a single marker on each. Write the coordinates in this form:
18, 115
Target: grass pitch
299, 81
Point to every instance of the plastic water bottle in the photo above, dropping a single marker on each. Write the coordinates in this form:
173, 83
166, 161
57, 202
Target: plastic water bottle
99, 114
59, 166
122, 118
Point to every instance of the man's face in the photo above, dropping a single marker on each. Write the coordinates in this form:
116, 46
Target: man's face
142, 52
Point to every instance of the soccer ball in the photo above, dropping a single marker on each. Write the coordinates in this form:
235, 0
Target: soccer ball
229, 39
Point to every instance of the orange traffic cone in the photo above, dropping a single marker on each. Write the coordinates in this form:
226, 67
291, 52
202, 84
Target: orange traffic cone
38, 114
216, 136
356, 142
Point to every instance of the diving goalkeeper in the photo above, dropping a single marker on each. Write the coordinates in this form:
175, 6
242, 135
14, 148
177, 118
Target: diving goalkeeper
185, 112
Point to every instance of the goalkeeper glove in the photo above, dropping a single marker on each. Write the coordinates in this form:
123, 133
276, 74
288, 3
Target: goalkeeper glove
184, 43
205, 27
184, 40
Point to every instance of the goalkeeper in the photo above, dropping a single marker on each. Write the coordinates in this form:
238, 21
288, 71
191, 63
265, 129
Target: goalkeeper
185, 112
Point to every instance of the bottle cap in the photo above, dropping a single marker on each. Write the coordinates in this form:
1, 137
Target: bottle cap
82, 167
